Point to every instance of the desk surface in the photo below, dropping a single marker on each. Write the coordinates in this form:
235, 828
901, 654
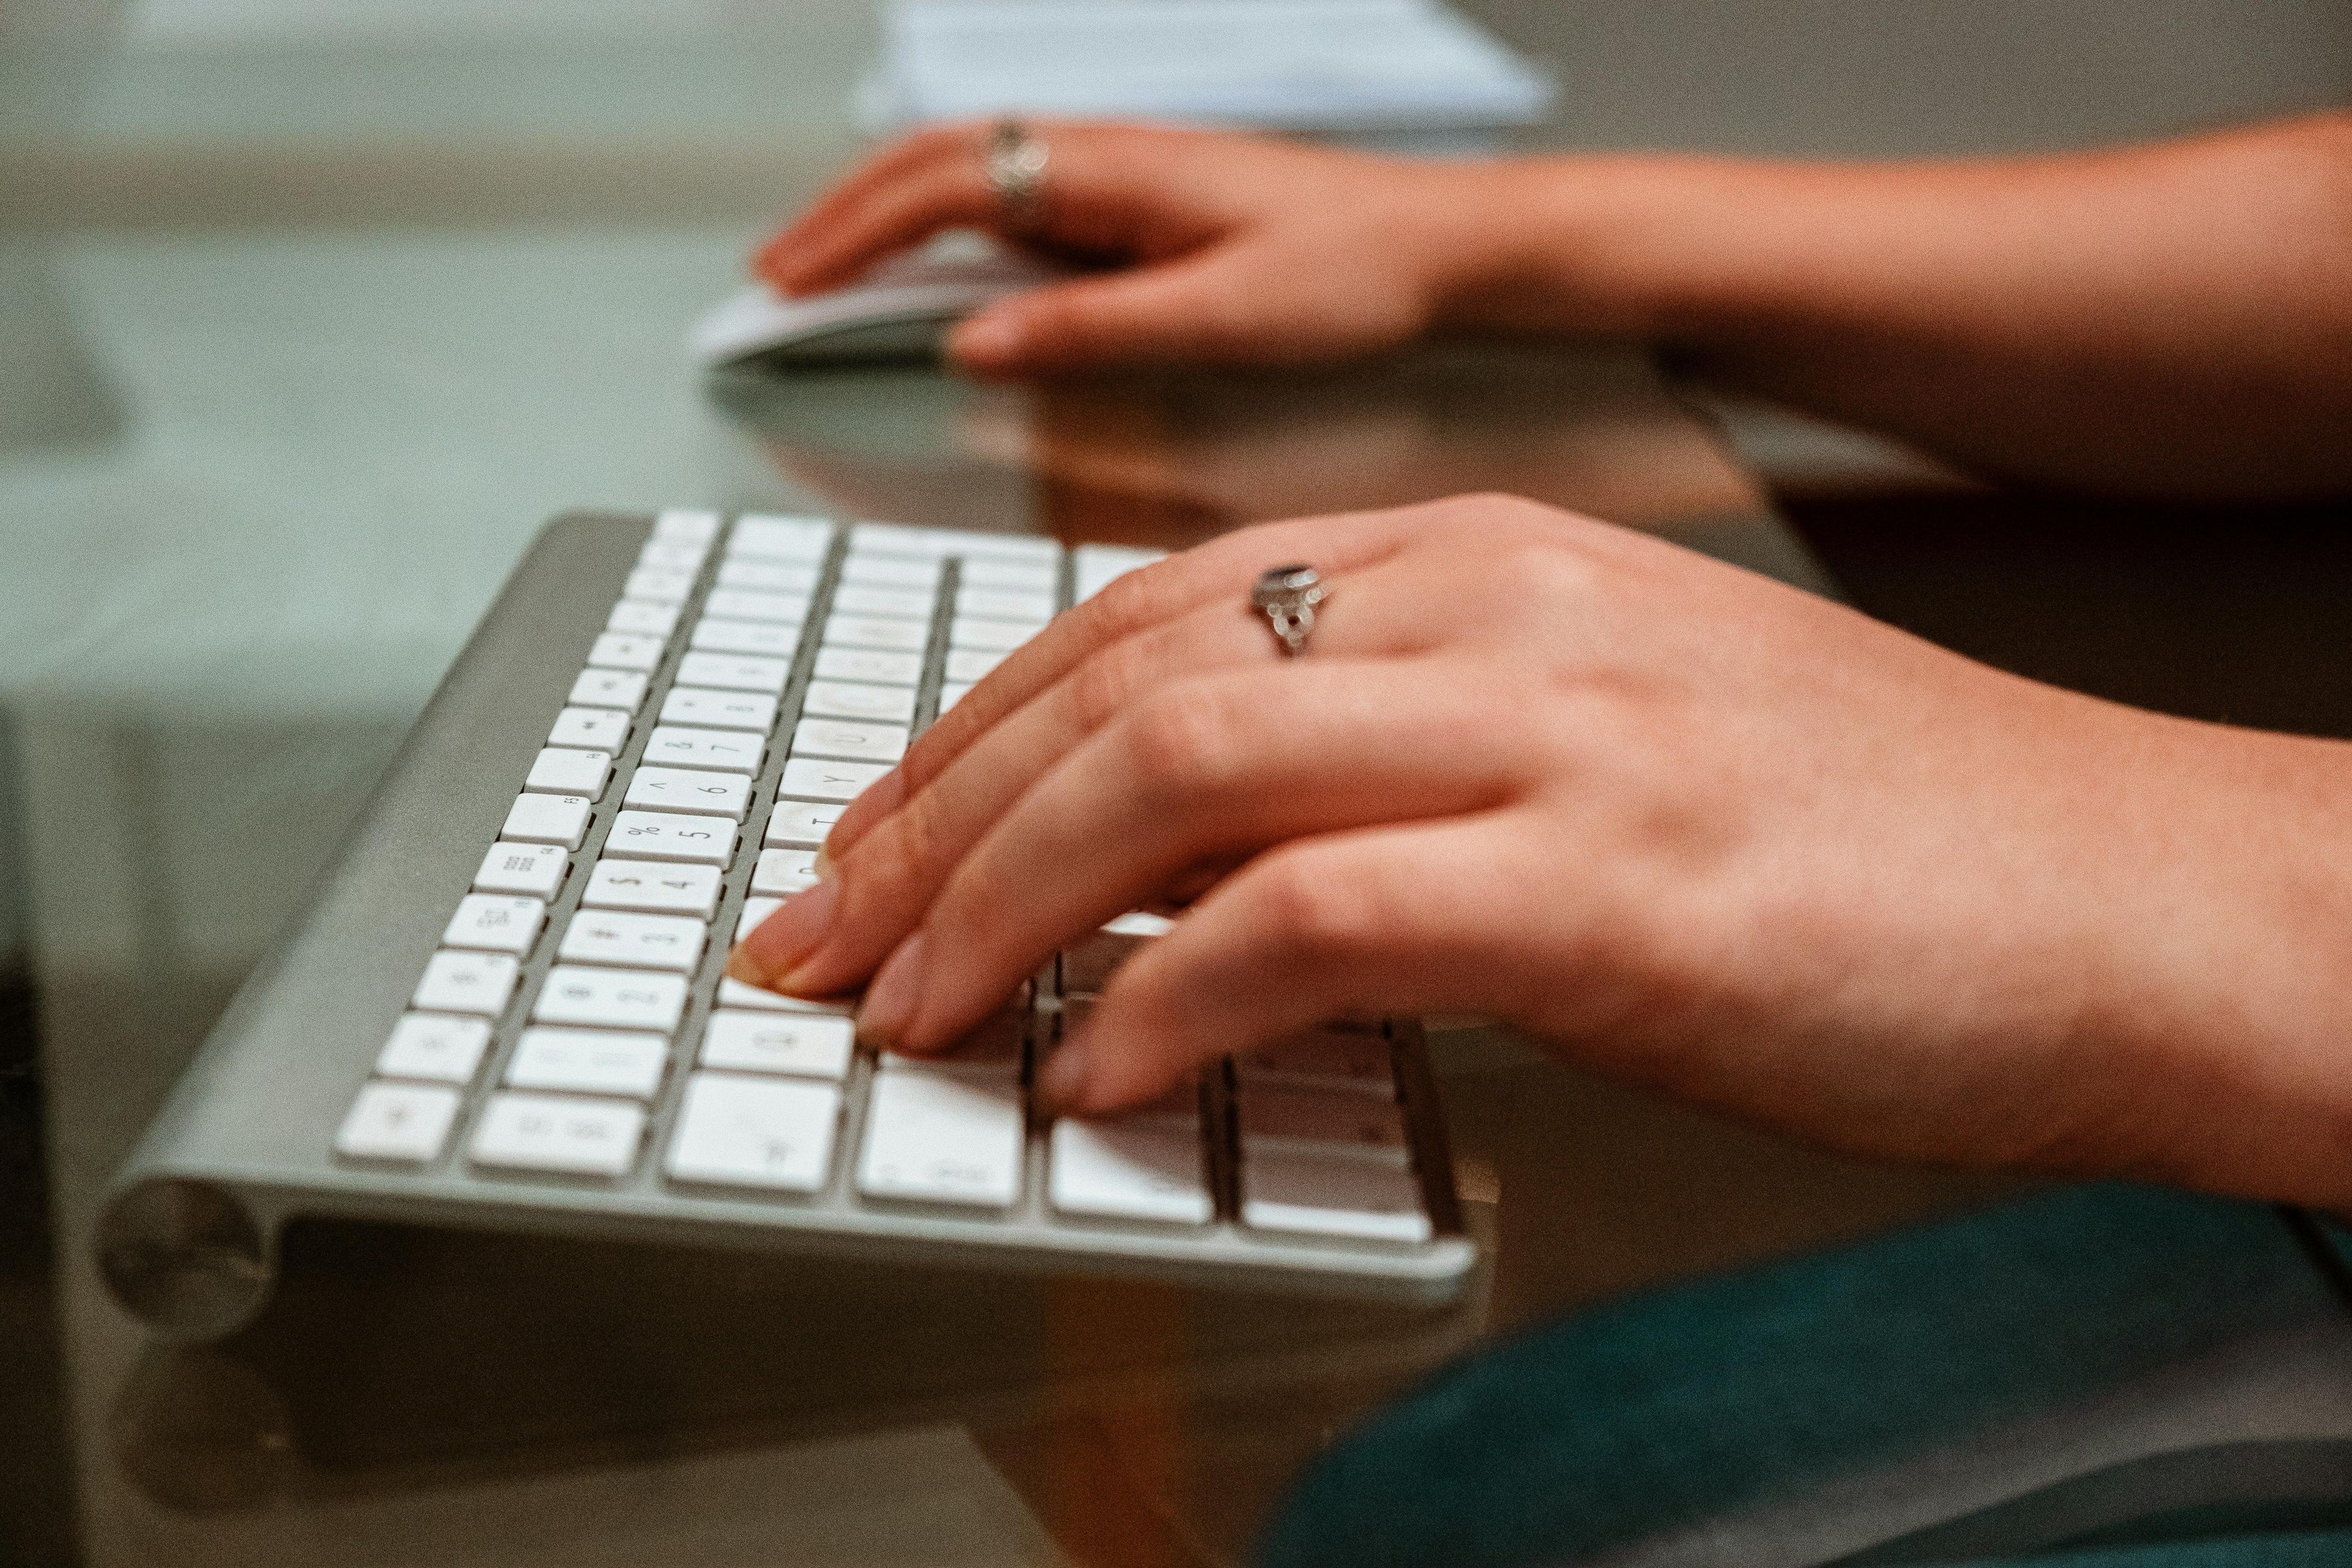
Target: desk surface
279, 413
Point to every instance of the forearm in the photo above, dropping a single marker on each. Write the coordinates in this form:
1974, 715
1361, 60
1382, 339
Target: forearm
2175, 319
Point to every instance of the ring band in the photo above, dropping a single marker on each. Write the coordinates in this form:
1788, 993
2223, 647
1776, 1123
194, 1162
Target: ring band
1015, 166
1287, 596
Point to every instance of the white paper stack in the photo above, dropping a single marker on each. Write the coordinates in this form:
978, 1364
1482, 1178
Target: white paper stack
1376, 66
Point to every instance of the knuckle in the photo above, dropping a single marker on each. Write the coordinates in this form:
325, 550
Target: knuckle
1184, 738
1315, 912
1106, 685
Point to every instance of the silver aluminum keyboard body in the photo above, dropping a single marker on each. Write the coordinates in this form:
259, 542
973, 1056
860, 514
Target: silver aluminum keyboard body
249, 1138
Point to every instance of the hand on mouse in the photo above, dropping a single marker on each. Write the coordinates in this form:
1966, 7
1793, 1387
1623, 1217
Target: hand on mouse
1693, 828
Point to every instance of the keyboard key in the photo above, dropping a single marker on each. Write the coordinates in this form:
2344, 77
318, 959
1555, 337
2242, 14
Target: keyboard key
402, 1122
782, 872
1004, 603
611, 998
843, 630
1111, 1171
548, 819
802, 824
751, 605
698, 790
870, 599
995, 635
672, 554
596, 729
619, 650
622, 688
696, 705
659, 836
1324, 1059
533, 868
754, 911
803, 1044
645, 942
653, 888
766, 536
568, 769
435, 1047
588, 1061
858, 699
644, 617
891, 571
735, 993
1028, 577
691, 525
843, 738
477, 982
754, 1133
1307, 1194
869, 664
1305, 1121
1093, 566
972, 665
725, 751
767, 576
495, 922
775, 639
734, 671
942, 1137
559, 1133
953, 692
992, 1050
903, 539
1140, 923
659, 583
814, 778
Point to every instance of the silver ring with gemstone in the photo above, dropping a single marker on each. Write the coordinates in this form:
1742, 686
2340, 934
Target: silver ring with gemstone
1015, 165
1287, 596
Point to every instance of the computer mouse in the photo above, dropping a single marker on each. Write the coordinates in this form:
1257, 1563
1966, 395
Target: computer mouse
900, 309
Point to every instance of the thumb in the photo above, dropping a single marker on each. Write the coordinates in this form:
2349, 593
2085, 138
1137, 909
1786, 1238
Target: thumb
1157, 313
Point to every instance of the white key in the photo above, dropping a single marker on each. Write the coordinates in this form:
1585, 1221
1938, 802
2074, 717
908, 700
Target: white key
843, 738
406, 1122
773, 639
548, 819
842, 630
644, 942
533, 868
434, 1047
611, 998
802, 823
751, 605
1311, 1196
869, 664
476, 983
588, 1061
597, 729
1116, 1172
781, 872
992, 1050
972, 665
1093, 566
653, 888
697, 790
642, 617
495, 922
619, 650
672, 555
619, 689
661, 583
568, 769
955, 691
753, 1133
942, 1137
901, 539
723, 750
691, 525
857, 699
802, 1045
890, 570
817, 778
1325, 1059
1004, 603
1305, 1121
1140, 923
559, 1133
767, 576
720, 710
984, 632
735, 993
767, 536
867, 599
754, 911
659, 836
734, 671
1023, 576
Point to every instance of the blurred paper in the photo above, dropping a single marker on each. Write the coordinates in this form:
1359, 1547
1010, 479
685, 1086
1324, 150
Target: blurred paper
1359, 66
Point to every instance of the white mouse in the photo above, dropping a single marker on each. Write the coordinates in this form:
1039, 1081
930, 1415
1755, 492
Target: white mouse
900, 309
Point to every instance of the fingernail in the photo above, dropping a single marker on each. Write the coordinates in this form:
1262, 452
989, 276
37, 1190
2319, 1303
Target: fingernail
821, 863
891, 996
985, 339
786, 937
1063, 1079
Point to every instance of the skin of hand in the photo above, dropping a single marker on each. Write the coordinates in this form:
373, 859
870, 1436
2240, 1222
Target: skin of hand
2171, 319
1693, 828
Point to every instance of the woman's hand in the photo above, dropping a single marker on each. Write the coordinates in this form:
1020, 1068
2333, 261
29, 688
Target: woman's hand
1233, 249
1696, 829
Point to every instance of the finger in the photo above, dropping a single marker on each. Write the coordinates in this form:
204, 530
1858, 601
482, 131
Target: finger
947, 192
1380, 921
895, 161
1218, 767
1203, 307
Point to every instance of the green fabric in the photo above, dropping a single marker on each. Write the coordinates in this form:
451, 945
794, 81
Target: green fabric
1687, 1404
